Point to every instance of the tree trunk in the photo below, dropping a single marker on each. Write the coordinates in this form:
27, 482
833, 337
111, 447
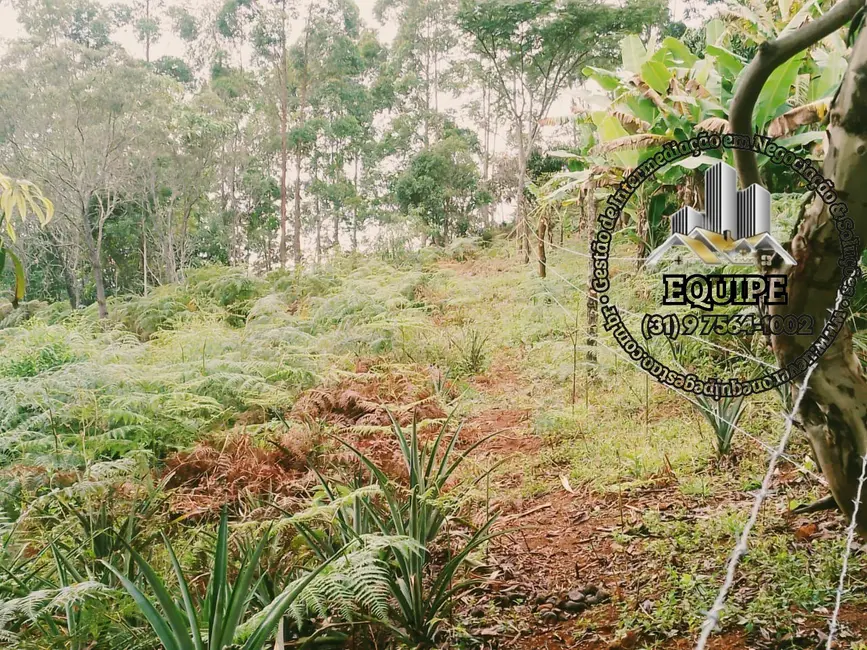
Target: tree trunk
144, 255
521, 218
486, 145
592, 319
834, 409
93, 253
296, 224
317, 216
318, 239
543, 259
148, 34
335, 242
355, 209
641, 229
71, 286
284, 119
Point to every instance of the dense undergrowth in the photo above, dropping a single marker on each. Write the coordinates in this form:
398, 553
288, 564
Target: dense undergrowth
186, 402
301, 405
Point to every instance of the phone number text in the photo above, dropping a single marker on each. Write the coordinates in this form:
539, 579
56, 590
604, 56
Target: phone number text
672, 326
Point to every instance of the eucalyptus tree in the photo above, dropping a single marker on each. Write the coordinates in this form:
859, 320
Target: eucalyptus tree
271, 34
341, 65
84, 22
423, 51
473, 78
536, 48
81, 131
144, 16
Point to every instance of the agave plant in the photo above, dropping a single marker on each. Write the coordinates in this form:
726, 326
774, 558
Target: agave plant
215, 622
723, 416
421, 592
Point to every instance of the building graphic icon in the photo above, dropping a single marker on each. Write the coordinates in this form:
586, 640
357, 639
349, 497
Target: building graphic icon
735, 223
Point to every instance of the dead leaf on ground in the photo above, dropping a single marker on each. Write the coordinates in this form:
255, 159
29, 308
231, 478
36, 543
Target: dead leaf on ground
806, 532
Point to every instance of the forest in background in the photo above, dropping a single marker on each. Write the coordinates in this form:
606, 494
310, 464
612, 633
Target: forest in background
283, 132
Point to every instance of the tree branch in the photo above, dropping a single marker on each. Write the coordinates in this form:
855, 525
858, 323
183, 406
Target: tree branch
772, 54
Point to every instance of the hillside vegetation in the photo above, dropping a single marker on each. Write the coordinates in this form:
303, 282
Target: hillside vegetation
229, 392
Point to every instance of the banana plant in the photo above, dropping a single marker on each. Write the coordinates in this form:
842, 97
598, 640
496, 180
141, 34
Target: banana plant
24, 197
663, 91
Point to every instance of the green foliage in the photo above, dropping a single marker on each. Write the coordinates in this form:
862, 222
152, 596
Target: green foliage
188, 358
215, 622
174, 67
472, 348
419, 510
673, 93
723, 416
442, 187
781, 579
51, 356
24, 197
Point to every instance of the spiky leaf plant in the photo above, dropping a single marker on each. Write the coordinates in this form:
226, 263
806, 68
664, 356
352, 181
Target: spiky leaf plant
214, 623
421, 591
723, 416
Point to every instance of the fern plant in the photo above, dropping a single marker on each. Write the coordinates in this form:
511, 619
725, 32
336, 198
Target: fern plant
422, 592
214, 623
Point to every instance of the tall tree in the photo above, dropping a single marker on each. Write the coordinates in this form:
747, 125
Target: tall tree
426, 37
80, 135
271, 36
535, 48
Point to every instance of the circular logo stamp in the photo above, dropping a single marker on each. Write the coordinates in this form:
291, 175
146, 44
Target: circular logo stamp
719, 297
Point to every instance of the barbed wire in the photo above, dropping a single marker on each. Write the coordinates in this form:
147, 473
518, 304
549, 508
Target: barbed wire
712, 620
586, 255
850, 538
740, 549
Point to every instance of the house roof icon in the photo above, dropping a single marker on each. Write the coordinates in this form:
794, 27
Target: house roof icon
734, 223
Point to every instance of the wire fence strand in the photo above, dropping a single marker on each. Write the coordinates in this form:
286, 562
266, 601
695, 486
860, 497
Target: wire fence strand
800, 466
740, 549
850, 538
629, 312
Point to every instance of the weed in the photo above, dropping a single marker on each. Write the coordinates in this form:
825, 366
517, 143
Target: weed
472, 352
